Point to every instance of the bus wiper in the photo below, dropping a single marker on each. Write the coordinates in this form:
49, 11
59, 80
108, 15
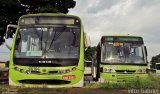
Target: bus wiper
19, 38
56, 36
46, 43
74, 43
37, 34
41, 37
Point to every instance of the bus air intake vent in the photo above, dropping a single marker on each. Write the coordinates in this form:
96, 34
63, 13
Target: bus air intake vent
44, 81
125, 71
35, 72
53, 72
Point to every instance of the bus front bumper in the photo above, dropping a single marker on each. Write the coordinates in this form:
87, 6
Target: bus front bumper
72, 79
121, 77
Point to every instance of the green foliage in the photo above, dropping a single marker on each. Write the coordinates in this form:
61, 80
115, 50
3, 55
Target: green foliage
39, 6
152, 82
11, 10
155, 59
89, 53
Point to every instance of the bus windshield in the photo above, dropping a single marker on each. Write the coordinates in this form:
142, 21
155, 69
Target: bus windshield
50, 42
122, 52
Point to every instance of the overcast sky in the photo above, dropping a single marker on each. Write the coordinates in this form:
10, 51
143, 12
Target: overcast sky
107, 17
134, 17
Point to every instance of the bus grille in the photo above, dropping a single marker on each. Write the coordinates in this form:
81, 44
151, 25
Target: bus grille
49, 72
44, 81
125, 71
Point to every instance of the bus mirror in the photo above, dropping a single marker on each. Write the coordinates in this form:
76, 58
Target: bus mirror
87, 42
9, 35
10, 30
145, 48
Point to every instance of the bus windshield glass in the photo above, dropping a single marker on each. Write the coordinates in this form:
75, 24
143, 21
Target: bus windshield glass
55, 42
126, 50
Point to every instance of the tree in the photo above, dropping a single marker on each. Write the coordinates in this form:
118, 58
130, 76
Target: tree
11, 10
154, 60
9, 14
89, 53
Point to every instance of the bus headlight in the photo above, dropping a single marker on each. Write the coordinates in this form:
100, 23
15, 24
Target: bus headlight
21, 70
16, 68
141, 71
67, 70
108, 70
27, 72
74, 68
61, 71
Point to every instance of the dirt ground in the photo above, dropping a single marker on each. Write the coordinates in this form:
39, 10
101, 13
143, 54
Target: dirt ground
64, 91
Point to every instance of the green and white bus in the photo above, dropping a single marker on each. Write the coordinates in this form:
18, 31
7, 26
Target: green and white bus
48, 49
118, 58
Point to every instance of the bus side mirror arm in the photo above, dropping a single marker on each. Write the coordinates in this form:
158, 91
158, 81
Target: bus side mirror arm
145, 48
87, 42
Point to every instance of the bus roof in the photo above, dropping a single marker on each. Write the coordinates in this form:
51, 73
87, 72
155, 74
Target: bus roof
50, 14
121, 36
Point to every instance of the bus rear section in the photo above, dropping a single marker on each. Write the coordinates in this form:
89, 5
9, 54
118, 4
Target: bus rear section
48, 50
119, 58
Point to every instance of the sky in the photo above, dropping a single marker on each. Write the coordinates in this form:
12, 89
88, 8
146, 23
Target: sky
108, 17
134, 17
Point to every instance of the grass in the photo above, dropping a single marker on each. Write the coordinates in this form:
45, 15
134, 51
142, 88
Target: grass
152, 82
44, 91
